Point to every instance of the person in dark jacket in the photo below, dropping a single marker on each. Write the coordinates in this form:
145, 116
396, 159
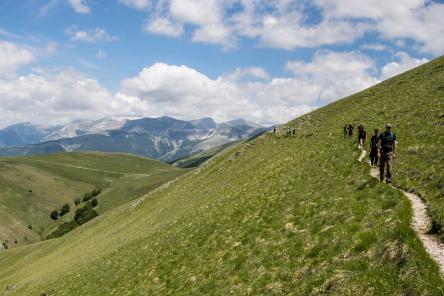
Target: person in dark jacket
362, 136
387, 144
373, 148
350, 130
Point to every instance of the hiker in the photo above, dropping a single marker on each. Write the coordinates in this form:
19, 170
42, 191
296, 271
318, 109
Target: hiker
373, 148
345, 130
387, 144
274, 131
362, 136
294, 132
350, 130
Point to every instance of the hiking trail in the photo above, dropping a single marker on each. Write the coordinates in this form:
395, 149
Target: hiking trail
420, 222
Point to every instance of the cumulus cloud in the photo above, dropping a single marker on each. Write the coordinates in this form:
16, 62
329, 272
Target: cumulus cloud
283, 33
12, 57
285, 24
338, 74
163, 26
183, 92
90, 36
80, 6
418, 20
186, 93
404, 62
54, 99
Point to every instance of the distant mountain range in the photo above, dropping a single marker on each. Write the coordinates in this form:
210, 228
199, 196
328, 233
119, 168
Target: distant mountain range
162, 138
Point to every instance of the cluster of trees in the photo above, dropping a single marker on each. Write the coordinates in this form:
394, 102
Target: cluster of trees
55, 214
90, 195
82, 215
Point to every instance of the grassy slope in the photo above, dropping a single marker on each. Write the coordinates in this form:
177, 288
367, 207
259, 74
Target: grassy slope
197, 159
33, 187
278, 215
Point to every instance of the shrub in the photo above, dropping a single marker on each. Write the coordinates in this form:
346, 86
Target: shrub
96, 192
78, 213
54, 215
65, 209
62, 229
77, 201
84, 214
94, 202
30, 226
5, 244
87, 196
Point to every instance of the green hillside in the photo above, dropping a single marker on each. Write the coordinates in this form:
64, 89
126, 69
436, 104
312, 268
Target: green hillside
31, 187
197, 159
296, 215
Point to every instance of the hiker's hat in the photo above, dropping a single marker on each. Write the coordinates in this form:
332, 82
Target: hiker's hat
388, 125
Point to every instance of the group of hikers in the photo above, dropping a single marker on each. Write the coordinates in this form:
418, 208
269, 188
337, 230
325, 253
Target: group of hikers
382, 148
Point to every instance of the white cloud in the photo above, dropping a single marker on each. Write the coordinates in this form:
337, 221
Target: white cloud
285, 24
164, 26
12, 57
183, 92
80, 6
186, 93
404, 63
55, 99
285, 32
138, 4
338, 74
91, 36
419, 20
198, 12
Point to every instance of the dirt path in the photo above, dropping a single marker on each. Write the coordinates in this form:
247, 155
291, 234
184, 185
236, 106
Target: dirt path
89, 169
421, 222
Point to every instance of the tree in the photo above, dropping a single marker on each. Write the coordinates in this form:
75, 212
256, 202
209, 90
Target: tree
84, 214
77, 201
96, 192
94, 202
65, 209
54, 215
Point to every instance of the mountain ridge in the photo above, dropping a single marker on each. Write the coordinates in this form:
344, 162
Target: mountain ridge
164, 138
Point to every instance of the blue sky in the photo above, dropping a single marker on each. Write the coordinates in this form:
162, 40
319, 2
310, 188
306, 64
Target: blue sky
267, 61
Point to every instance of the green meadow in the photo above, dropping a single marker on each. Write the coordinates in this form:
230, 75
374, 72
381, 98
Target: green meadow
278, 215
32, 187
